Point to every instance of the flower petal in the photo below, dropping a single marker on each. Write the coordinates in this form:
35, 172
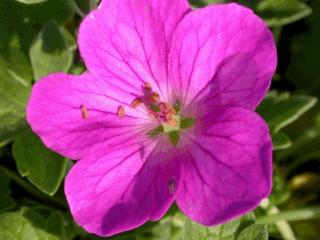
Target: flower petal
227, 167
126, 41
74, 114
122, 189
224, 51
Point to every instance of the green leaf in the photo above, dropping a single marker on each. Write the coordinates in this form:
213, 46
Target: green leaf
49, 52
229, 230
280, 141
254, 232
225, 230
15, 85
42, 167
280, 110
282, 12
31, 1
16, 225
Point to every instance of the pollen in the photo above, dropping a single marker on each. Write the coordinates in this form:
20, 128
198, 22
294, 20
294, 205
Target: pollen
84, 112
120, 112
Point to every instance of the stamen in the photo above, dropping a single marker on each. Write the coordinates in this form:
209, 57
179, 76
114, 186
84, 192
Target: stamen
120, 112
84, 112
136, 103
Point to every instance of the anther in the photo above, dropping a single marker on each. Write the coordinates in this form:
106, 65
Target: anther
120, 112
84, 112
155, 97
172, 122
136, 103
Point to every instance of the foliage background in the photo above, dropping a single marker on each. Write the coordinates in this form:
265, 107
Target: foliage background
37, 37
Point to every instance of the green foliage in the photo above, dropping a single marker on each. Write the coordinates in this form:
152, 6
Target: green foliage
44, 168
28, 224
305, 51
15, 85
242, 228
280, 141
20, 23
254, 232
49, 52
280, 110
280, 12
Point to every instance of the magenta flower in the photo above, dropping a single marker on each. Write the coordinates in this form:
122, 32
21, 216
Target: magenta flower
165, 113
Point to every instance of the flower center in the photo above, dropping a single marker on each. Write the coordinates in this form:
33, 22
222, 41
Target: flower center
170, 120
161, 111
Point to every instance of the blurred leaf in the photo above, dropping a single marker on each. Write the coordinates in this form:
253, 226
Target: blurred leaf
280, 141
31, 1
43, 168
254, 232
305, 50
202, 3
307, 230
19, 23
170, 227
282, 12
305, 147
15, 85
280, 110
280, 190
49, 52
6, 202
194, 231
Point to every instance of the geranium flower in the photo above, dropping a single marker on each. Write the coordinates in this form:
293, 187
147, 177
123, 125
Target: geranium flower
164, 114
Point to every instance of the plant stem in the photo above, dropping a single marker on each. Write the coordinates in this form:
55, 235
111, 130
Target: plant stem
31, 189
292, 215
277, 34
282, 225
